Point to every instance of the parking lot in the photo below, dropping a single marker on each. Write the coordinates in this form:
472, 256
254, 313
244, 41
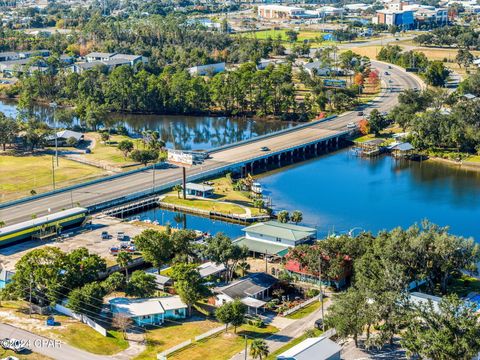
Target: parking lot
89, 236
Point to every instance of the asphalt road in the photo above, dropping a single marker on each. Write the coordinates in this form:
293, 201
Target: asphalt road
395, 82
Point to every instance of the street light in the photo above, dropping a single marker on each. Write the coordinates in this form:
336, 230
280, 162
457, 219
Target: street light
54, 106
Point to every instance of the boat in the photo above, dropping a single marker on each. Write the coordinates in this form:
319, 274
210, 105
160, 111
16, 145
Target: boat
256, 188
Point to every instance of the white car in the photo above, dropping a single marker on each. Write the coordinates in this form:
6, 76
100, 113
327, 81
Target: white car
351, 125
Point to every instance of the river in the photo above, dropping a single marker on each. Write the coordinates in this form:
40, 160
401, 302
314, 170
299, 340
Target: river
179, 132
339, 192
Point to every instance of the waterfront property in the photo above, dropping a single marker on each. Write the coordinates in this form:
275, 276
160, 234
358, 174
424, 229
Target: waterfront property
252, 290
200, 190
275, 238
151, 311
43, 227
318, 348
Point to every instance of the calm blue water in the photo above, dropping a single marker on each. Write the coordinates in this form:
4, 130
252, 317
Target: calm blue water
179, 132
339, 192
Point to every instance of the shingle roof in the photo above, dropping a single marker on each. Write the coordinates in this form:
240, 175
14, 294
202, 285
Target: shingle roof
248, 286
283, 231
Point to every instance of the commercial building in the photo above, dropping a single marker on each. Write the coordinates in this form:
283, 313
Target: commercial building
319, 348
200, 190
152, 311
280, 12
401, 18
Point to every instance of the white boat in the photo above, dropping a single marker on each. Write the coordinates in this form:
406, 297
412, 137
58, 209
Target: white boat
257, 188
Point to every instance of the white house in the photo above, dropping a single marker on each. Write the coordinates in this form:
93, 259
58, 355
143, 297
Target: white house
210, 69
319, 348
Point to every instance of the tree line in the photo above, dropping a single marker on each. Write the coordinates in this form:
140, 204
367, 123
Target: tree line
454, 36
383, 268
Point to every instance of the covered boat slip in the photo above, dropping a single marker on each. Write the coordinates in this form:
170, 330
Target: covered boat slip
42, 227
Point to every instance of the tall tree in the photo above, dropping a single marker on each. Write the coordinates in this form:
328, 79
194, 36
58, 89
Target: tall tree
123, 260
259, 349
141, 284
155, 246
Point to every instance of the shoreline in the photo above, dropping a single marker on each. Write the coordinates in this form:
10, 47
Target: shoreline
464, 165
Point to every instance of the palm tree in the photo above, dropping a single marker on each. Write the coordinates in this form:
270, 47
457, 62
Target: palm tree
178, 188
259, 349
244, 267
2, 223
123, 259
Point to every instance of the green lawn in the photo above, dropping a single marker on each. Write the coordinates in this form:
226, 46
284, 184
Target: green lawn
307, 310
473, 158
171, 334
315, 37
108, 152
208, 205
224, 345
26, 173
84, 337
273, 355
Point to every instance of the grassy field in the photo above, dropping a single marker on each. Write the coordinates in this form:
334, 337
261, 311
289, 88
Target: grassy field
224, 345
70, 330
83, 337
307, 310
273, 355
473, 158
108, 152
171, 334
25, 173
207, 205
315, 37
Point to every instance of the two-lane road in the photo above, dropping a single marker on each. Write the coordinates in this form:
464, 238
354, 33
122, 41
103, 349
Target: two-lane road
396, 81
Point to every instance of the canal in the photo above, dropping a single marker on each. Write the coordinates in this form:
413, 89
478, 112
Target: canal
339, 192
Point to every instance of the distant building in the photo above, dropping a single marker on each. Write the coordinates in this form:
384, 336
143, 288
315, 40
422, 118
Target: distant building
319, 348
210, 269
317, 68
210, 69
252, 290
98, 56
9, 56
151, 311
280, 11
275, 238
401, 18
63, 136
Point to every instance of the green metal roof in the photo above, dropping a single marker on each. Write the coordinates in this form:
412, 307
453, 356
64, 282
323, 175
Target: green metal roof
280, 230
263, 247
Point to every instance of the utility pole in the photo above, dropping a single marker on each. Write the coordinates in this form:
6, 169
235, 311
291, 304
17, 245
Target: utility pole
184, 182
54, 105
321, 288
246, 347
53, 172
30, 297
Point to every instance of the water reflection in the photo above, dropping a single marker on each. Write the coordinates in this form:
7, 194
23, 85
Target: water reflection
180, 132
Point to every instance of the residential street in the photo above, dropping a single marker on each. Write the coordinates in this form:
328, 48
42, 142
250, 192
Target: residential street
289, 333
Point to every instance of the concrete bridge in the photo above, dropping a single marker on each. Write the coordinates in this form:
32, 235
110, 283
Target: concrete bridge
285, 147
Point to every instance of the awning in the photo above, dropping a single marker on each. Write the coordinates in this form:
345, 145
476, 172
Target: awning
263, 247
252, 302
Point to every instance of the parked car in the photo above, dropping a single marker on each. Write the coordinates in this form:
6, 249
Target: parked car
120, 235
319, 324
360, 113
13, 344
351, 125
114, 250
105, 235
264, 148
389, 66
386, 73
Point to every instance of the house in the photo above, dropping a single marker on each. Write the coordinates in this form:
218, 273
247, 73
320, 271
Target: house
63, 136
317, 68
305, 274
200, 190
318, 348
263, 63
162, 281
98, 56
210, 269
275, 238
9, 56
131, 59
400, 18
152, 311
210, 69
16, 67
252, 290
418, 298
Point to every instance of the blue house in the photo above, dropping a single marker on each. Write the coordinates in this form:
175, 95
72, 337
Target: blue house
152, 311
